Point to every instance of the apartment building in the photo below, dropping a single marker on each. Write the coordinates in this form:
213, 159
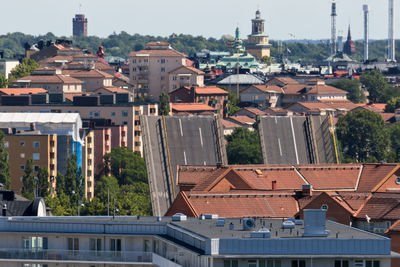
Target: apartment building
185, 76
107, 138
88, 163
6, 65
150, 68
117, 109
207, 241
51, 79
42, 149
92, 79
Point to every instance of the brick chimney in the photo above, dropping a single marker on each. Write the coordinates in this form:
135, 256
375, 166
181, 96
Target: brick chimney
306, 190
274, 185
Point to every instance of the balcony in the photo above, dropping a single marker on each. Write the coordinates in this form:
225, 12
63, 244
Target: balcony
97, 257
143, 81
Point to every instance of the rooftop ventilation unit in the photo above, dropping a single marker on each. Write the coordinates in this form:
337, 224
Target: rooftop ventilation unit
262, 233
248, 224
314, 223
288, 225
178, 217
211, 216
221, 222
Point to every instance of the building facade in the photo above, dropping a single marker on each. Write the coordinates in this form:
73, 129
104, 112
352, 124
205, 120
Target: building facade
208, 241
150, 68
6, 65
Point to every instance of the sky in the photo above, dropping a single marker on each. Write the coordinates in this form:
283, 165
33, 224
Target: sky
285, 19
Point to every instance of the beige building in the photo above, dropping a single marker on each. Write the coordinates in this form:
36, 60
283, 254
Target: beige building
185, 76
150, 68
92, 79
257, 42
41, 148
88, 164
50, 79
6, 65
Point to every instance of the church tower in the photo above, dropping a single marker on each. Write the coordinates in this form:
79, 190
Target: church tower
257, 42
349, 46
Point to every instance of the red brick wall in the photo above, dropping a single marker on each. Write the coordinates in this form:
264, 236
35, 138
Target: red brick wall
335, 211
395, 246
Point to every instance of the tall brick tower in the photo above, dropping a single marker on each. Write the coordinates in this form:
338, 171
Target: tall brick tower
79, 25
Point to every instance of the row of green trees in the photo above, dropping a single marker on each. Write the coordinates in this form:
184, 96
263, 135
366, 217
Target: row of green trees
120, 44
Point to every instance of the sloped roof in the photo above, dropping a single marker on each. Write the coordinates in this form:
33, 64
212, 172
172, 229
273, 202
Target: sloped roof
243, 204
22, 91
244, 120
190, 107
57, 78
325, 177
157, 53
191, 69
380, 206
87, 73
326, 89
326, 105
111, 89
229, 124
372, 174
267, 88
209, 90
283, 80
241, 79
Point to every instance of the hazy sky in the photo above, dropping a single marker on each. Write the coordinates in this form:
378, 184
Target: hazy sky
305, 19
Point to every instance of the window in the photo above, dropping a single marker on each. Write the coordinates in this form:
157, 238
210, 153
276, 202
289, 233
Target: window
137, 133
22, 167
162, 69
137, 144
152, 110
89, 151
6, 144
269, 263
36, 156
174, 78
252, 263
137, 112
115, 244
97, 114
298, 263
231, 263
73, 244
22, 143
95, 244
341, 263
162, 78
36, 168
112, 114
89, 140
324, 207
137, 122
35, 243
146, 244
397, 180
163, 61
124, 113
124, 123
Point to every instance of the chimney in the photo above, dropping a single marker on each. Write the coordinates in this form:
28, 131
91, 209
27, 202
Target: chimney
366, 31
314, 223
33, 126
4, 211
274, 186
306, 190
193, 92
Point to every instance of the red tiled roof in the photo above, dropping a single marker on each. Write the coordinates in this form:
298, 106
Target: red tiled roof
192, 175
255, 111
22, 91
241, 204
57, 78
210, 90
284, 80
326, 177
111, 89
388, 117
229, 124
158, 53
157, 43
394, 228
293, 89
326, 105
56, 58
373, 174
192, 69
268, 88
326, 89
70, 96
380, 206
244, 120
91, 73
190, 107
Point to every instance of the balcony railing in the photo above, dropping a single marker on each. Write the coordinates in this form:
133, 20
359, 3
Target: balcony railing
81, 255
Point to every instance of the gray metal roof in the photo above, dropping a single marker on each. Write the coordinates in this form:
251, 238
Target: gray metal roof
241, 79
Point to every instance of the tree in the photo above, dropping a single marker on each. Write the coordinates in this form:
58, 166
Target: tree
4, 165
73, 179
125, 165
244, 147
394, 132
3, 81
43, 182
60, 183
362, 135
376, 84
25, 68
233, 103
392, 104
28, 180
266, 60
164, 104
355, 94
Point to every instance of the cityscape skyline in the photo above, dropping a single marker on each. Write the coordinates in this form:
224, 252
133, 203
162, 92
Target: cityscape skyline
224, 17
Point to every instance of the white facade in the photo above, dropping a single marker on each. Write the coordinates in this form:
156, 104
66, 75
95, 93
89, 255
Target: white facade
6, 65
